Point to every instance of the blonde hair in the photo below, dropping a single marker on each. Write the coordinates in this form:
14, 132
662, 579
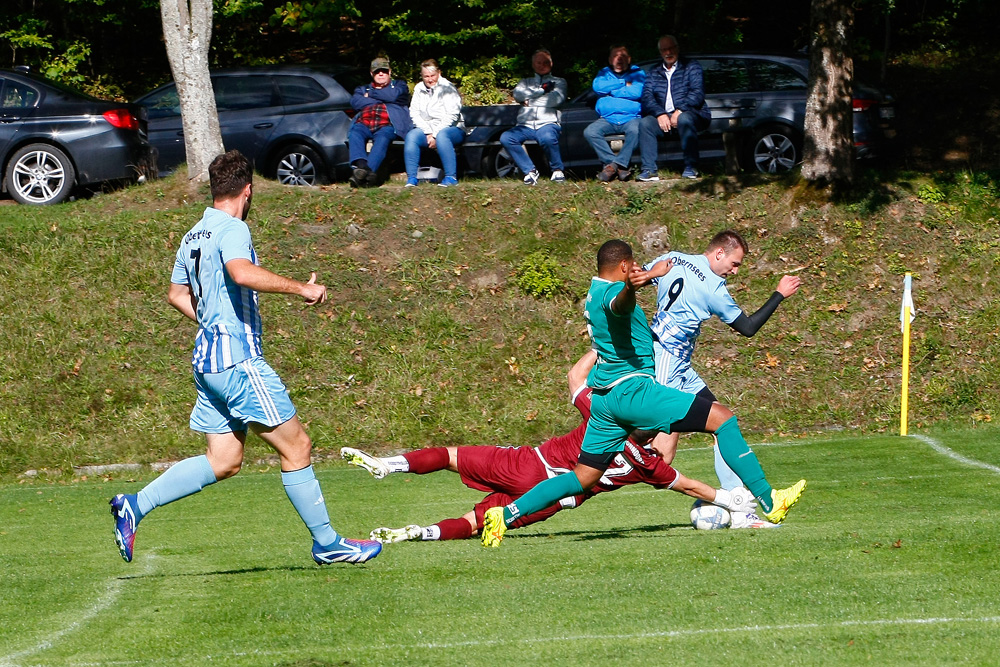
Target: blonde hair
430, 63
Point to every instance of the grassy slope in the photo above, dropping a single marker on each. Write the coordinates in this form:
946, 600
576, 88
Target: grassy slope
425, 339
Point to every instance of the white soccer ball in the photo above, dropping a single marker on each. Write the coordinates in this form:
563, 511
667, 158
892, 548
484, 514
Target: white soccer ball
706, 516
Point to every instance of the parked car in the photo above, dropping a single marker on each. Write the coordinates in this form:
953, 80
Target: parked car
292, 122
761, 98
54, 138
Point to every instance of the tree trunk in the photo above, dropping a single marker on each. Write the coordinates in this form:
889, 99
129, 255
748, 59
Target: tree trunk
828, 152
187, 31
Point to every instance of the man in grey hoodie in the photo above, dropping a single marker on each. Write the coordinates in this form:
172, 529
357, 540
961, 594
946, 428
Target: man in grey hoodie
538, 119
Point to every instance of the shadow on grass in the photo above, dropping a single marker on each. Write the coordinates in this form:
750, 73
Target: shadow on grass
616, 534
245, 570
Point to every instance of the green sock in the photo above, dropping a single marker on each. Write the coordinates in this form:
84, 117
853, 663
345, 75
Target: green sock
737, 455
544, 494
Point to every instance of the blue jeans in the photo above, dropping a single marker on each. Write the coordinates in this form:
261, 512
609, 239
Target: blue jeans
547, 137
689, 124
357, 141
600, 128
446, 142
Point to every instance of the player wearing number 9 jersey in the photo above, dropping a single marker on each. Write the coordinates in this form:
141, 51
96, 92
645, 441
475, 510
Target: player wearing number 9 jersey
691, 292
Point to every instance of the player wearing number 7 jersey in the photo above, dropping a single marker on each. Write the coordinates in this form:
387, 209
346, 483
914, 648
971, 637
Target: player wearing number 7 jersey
215, 281
689, 293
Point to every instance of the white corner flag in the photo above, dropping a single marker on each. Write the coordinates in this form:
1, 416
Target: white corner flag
906, 316
907, 302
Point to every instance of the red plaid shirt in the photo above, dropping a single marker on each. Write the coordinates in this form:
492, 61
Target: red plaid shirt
374, 116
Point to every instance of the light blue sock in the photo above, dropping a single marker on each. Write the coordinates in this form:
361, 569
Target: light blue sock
303, 490
179, 481
727, 478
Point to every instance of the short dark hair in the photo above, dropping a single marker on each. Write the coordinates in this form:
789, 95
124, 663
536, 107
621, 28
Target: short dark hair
613, 252
615, 47
728, 240
229, 174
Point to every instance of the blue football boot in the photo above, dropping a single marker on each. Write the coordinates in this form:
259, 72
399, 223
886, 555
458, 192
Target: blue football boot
122, 509
346, 551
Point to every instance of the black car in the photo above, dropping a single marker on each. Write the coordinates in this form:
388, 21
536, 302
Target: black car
761, 98
54, 138
292, 122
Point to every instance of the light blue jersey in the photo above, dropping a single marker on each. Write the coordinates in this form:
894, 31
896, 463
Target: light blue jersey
687, 296
228, 317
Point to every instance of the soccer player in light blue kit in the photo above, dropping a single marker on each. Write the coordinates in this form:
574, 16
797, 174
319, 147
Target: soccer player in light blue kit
215, 281
627, 397
690, 292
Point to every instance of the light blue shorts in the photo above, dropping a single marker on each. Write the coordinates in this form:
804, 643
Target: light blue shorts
248, 392
676, 373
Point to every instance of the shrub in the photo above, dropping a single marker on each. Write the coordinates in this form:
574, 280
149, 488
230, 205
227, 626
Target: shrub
538, 275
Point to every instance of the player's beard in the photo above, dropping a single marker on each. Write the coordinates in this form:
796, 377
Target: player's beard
246, 207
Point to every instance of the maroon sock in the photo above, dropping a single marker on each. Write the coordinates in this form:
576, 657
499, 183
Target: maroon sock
427, 460
454, 529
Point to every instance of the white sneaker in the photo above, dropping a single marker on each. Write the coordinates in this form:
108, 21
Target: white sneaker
390, 535
749, 520
558, 176
356, 457
531, 177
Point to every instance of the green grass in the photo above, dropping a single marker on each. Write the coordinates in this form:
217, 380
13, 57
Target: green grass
890, 558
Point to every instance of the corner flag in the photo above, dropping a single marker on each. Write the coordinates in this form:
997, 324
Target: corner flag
906, 315
907, 306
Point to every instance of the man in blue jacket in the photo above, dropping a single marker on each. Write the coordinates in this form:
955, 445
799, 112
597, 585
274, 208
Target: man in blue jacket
673, 100
383, 108
619, 90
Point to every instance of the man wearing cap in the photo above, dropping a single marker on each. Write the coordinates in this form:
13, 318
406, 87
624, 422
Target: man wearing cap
383, 114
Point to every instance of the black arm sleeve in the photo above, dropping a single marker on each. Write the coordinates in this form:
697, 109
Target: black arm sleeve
748, 326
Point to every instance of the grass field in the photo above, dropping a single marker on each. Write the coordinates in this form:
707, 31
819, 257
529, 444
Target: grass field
890, 558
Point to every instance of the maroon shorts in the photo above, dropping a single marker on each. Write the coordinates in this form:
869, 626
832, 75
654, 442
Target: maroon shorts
507, 472
510, 470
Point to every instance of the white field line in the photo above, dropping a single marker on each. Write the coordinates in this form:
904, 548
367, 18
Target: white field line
107, 598
950, 453
665, 634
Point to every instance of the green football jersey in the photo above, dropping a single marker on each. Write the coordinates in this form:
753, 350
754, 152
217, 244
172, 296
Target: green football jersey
624, 343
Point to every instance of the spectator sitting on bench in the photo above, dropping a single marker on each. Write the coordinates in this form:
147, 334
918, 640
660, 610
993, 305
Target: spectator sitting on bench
673, 99
382, 116
538, 119
436, 112
619, 89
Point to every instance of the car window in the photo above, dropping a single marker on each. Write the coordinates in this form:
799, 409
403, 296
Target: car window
17, 95
233, 93
776, 76
163, 103
725, 75
299, 89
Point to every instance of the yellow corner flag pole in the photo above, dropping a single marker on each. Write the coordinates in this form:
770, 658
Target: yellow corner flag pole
906, 315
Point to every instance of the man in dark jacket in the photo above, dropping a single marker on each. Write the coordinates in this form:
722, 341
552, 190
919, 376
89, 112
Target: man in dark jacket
383, 114
673, 100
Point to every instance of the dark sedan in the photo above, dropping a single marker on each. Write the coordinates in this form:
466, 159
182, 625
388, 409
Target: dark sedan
54, 138
761, 98
292, 122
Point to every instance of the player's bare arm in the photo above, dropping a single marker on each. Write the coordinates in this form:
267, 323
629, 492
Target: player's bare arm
577, 375
249, 275
788, 285
182, 298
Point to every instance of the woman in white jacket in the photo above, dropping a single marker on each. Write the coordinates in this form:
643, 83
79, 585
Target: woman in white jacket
436, 110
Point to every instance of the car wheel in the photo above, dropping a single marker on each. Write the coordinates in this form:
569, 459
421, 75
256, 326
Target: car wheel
775, 149
40, 174
299, 165
497, 163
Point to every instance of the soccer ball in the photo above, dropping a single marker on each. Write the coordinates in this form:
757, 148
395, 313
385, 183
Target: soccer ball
706, 516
